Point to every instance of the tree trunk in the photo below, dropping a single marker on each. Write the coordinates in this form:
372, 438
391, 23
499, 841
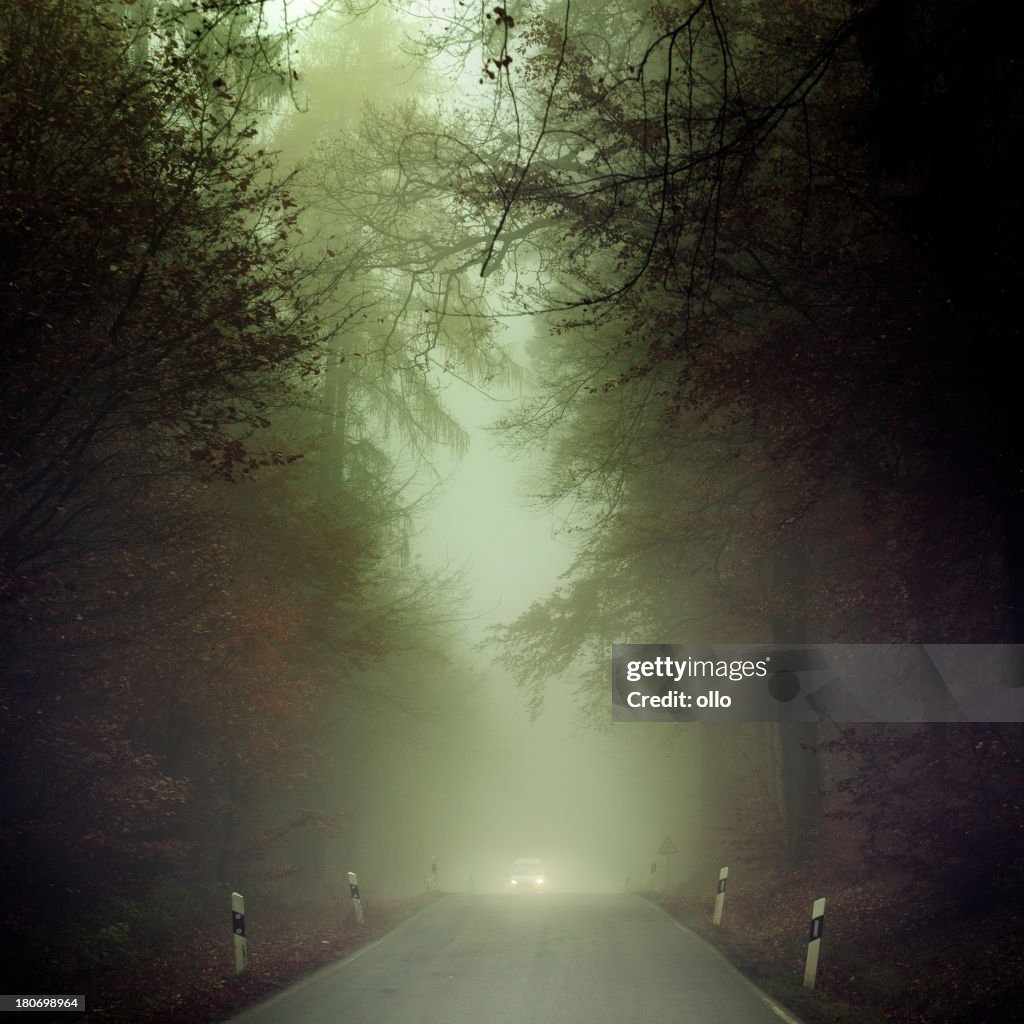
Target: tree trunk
801, 773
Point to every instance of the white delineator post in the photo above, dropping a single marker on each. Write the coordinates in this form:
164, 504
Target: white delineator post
238, 927
357, 903
720, 898
814, 942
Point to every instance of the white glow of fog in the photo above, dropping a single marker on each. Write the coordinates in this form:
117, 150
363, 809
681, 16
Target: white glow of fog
594, 806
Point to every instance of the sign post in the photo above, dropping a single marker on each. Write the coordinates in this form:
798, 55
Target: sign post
238, 928
814, 943
668, 848
723, 875
357, 903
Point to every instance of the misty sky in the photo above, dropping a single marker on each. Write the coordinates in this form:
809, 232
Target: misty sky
511, 554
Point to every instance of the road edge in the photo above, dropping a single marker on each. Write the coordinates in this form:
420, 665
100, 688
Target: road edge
328, 969
782, 1012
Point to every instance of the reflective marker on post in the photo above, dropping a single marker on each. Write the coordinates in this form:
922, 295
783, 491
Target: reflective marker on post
357, 903
720, 898
814, 942
238, 928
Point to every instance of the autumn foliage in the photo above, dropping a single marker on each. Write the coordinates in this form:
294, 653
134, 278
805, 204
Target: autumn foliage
160, 675
773, 399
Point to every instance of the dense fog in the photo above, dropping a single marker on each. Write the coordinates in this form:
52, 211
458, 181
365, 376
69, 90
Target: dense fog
370, 369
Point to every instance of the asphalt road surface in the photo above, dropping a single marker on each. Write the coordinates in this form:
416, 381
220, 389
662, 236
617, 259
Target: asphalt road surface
531, 958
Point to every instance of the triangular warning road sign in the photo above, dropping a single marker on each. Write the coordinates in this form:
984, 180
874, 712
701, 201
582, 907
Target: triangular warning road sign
668, 846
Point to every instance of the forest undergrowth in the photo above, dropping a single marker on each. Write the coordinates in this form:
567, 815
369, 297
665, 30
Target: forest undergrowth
191, 977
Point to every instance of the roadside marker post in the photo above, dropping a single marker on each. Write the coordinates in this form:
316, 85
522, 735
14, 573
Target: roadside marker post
814, 942
238, 928
668, 848
723, 875
357, 903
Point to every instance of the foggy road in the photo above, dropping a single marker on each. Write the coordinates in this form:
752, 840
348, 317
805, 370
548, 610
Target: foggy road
533, 958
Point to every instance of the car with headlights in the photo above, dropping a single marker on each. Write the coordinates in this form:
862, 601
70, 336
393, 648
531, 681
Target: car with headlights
527, 875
